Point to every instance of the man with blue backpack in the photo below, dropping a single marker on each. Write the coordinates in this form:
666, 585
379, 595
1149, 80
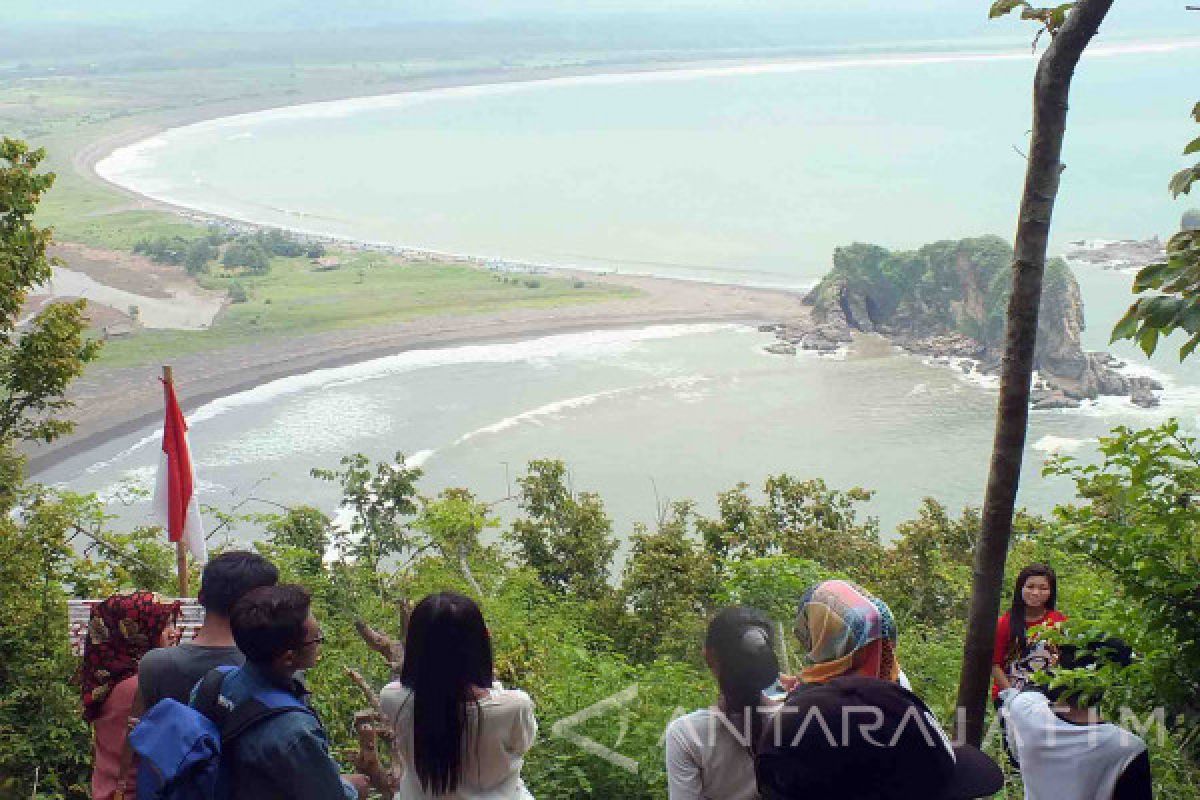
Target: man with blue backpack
250, 733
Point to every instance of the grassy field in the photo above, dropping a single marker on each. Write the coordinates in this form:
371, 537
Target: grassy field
366, 290
67, 113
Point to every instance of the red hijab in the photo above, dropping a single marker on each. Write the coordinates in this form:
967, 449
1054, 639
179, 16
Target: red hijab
120, 631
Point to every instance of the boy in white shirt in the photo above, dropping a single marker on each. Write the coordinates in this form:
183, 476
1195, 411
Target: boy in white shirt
1065, 750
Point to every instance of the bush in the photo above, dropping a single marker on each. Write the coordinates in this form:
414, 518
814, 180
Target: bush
199, 253
532, 283
238, 293
163, 249
247, 254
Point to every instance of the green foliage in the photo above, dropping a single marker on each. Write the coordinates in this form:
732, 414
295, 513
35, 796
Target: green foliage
949, 286
667, 589
453, 523
1050, 17
382, 502
37, 363
1175, 306
928, 568
250, 255
238, 293
1138, 524
167, 249
199, 253
564, 537
1181, 182
799, 518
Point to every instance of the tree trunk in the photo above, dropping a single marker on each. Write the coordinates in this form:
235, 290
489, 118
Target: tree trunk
1051, 87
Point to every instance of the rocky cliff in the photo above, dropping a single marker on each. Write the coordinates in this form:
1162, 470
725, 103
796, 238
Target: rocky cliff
948, 299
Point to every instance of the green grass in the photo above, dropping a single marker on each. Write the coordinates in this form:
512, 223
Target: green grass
368, 290
64, 114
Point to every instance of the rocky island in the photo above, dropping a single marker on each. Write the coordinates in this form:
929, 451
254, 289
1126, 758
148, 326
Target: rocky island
947, 300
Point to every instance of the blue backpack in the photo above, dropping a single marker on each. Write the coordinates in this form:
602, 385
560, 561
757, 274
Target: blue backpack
179, 747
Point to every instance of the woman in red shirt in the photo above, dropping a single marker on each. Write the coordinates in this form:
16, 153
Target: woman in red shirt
1018, 652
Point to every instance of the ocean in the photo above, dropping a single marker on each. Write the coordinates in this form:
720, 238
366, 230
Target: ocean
745, 174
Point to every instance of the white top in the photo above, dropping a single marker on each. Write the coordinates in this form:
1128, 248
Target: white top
492, 770
1061, 760
708, 758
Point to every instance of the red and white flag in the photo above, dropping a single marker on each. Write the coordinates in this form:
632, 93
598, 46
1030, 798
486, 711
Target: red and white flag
174, 493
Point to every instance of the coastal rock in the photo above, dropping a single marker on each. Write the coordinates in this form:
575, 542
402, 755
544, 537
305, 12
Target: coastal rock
1144, 398
781, 349
1123, 254
824, 336
948, 300
1048, 401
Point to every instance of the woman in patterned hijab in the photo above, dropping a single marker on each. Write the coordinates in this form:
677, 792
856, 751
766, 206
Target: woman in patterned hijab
845, 630
120, 631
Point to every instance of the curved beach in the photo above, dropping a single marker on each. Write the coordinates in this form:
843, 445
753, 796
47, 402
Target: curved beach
112, 401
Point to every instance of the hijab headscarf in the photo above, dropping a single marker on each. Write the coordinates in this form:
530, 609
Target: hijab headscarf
120, 631
845, 630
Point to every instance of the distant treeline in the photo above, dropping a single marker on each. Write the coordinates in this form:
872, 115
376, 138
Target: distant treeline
251, 252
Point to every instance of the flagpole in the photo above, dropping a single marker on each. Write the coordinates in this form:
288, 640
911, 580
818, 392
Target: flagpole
181, 560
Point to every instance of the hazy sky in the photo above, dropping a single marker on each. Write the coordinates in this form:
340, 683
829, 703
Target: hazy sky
271, 13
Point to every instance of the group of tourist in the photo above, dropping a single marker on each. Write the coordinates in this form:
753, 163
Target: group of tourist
848, 725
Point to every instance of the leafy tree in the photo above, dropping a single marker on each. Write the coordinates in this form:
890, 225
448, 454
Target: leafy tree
1071, 27
667, 588
247, 254
382, 502
1138, 522
39, 724
566, 538
280, 243
164, 249
199, 253
38, 363
453, 524
928, 568
799, 518
307, 532
1175, 304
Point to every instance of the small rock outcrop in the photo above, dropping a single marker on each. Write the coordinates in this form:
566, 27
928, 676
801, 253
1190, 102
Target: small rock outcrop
1124, 254
948, 300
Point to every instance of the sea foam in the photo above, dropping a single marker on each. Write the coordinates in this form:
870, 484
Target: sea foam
573, 346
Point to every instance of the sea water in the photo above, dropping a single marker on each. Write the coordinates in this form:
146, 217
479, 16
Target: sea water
747, 175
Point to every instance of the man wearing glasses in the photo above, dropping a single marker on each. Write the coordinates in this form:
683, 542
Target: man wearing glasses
284, 754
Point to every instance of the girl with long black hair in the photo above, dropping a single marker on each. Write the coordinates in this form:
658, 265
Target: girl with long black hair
1018, 653
460, 738
710, 752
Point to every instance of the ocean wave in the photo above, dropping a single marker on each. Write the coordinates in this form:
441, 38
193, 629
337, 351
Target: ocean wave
1053, 445
587, 345
683, 387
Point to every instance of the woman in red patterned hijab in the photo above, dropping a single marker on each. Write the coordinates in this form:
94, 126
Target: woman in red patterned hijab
120, 631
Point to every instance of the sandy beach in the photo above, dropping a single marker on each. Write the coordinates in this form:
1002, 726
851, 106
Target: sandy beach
112, 402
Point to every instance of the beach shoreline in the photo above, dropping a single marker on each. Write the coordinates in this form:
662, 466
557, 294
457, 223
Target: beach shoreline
111, 402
